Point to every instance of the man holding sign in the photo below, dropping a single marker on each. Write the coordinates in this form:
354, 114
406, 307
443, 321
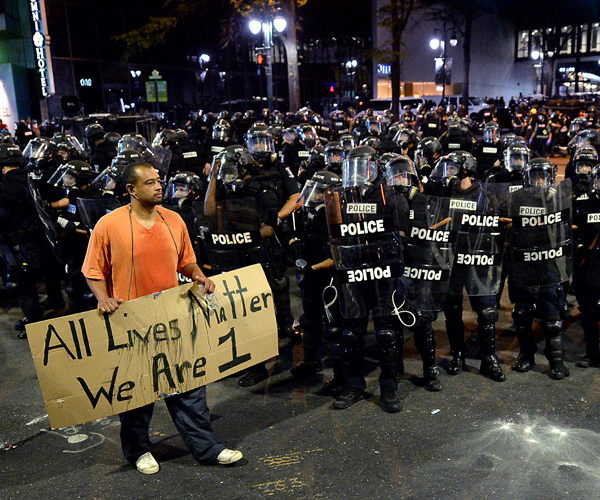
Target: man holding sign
134, 251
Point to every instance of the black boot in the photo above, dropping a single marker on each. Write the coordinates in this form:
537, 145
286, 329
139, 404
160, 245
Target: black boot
523, 326
425, 344
490, 366
457, 363
390, 401
430, 377
456, 335
255, 374
554, 349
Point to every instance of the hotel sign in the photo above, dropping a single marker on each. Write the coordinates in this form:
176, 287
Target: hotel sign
42, 47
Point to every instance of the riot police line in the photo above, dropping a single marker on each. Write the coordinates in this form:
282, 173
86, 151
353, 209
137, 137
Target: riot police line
394, 228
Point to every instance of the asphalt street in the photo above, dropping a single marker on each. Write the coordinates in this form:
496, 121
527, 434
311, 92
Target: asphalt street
528, 438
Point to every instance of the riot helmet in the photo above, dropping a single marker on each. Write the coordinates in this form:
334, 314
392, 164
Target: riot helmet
183, 185
405, 138
110, 180
373, 124
459, 164
113, 138
577, 125
584, 160
334, 155
10, 156
308, 135
491, 132
595, 180
312, 193
290, 134
165, 138
401, 173
347, 142
45, 158
74, 173
516, 157
427, 152
221, 131
260, 143
234, 163
539, 172
359, 167
371, 141
133, 142
94, 132
32, 146
587, 137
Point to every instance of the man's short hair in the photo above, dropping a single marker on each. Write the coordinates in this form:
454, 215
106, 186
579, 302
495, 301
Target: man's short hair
131, 172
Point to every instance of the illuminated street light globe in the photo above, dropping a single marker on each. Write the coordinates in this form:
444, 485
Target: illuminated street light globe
205, 58
279, 23
255, 26
535, 54
434, 43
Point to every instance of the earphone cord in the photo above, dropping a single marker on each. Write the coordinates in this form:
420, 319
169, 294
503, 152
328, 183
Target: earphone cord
170, 232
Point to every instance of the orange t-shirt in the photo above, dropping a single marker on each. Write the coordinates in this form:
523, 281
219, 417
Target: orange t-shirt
149, 266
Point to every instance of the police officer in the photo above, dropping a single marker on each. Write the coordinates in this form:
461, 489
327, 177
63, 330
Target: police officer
235, 202
475, 220
425, 276
368, 266
541, 241
586, 274
167, 138
489, 150
19, 221
75, 178
102, 151
314, 268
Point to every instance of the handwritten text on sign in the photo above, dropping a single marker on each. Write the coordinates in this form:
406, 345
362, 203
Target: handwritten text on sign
91, 365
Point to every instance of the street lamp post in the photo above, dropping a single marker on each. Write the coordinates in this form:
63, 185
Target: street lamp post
436, 43
266, 25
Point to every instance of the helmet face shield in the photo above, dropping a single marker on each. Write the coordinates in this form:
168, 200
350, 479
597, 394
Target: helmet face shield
221, 133
595, 180
334, 156
312, 193
260, 144
401, 173
445, 169
516, 161
584, 167
358, 171
490, 134
105, 180
32, 147
64, 177
177, 189
540, 178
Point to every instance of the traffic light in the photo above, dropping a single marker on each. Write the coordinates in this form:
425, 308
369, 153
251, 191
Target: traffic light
260, 59
332, 87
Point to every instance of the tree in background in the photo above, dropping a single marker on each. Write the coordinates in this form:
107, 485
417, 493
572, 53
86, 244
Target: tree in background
394, 16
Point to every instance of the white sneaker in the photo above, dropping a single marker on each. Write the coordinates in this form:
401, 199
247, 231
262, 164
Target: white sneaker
146, 464
228, 457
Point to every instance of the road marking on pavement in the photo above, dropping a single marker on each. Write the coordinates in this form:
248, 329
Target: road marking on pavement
282, 485
36, 420
296, 457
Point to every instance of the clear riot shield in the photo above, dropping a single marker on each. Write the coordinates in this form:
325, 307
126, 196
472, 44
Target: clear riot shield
47, 222
231, 239
366, 249
541, 235
159, 157
427, 253
91, 210
478, 246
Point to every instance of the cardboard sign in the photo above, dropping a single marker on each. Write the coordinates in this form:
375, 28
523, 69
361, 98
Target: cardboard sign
91, 365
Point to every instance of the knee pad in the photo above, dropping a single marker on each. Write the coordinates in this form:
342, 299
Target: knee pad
487, 315
350, 339
521, 314
385, 337
552, 328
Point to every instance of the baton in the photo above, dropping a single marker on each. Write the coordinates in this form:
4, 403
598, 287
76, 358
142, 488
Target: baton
592, 246
441, 223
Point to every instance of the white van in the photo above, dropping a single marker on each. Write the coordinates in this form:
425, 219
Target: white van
475, 103
380, 105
